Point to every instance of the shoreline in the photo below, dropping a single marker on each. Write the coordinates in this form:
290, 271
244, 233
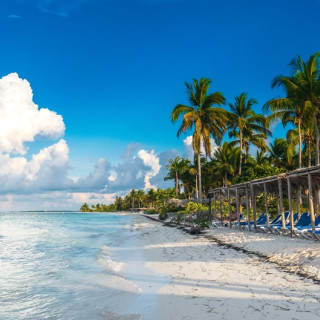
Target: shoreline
209, 280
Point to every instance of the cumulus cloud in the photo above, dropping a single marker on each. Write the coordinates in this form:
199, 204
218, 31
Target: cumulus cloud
188, 149
45, 174
152, 161
21, 120
47, 170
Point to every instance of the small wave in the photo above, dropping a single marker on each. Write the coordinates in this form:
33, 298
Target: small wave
109, 264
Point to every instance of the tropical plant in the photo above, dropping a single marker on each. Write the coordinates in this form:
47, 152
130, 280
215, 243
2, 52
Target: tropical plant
246, 125
225, 161
278, 152
175, 168
303, 96
201, 115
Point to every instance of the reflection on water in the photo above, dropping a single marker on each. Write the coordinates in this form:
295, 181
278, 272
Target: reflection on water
59, 266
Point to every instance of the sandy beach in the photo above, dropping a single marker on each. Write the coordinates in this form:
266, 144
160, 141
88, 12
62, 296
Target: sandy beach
206, 280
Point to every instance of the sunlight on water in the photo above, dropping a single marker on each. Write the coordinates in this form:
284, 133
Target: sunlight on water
58, 266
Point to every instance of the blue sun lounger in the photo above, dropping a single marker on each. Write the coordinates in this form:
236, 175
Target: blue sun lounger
276, 222
276, 228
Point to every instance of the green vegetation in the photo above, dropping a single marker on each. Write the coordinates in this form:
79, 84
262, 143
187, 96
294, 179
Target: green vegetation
231, 162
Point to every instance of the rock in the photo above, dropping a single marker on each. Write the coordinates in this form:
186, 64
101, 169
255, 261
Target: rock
195, 230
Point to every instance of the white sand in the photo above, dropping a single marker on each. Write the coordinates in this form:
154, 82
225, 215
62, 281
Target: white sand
209, 281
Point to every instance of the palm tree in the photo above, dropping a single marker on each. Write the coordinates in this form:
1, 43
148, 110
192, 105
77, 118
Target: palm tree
206, 119
175, 168
278, 152
133, 197
244, 122
225, 160
303, 93
290, 110
140, 197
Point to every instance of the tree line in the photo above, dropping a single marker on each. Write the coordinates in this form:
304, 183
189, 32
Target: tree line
235, 127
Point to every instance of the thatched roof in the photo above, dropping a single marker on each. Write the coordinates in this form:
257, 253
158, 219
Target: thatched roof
298, 177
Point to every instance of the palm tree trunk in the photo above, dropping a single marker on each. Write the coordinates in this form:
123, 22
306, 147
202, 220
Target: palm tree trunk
177, 184
197, 195
317, 137
199, 175
226, 179
309, 154
300, 142
240, 164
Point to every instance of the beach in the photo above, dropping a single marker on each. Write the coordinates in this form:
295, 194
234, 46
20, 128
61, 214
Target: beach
123, 266
207, 280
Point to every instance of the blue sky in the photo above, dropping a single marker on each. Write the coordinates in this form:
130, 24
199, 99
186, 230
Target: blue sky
114, 69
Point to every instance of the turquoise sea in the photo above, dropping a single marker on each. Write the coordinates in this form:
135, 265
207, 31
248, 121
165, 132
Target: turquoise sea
71, 266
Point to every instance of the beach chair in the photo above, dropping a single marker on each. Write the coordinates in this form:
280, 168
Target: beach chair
303, 222
306, 231
276, 229
276, 222
260, 221
235, 225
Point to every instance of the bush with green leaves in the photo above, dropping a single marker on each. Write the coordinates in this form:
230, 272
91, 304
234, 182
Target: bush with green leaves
193, 207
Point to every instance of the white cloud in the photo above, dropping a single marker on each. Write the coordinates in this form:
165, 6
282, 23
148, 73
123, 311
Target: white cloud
45, 175
47, 170
21, 120
152, 161
188, 149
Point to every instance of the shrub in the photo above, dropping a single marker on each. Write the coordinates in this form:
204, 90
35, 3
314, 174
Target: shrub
193, 207
163, 215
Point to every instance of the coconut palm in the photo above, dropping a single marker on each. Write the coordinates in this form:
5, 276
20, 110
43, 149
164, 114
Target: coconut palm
245, 123
175, 168
303, 95
290, 110
203, 117
278, 152
225, 160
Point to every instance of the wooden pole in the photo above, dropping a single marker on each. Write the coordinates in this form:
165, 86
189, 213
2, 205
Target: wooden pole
298, 199
214, 207
248, 207
266, 203
311, 201
210, 206
254, 207
229, 208
221, 208
238, 208
281, 206
290, 206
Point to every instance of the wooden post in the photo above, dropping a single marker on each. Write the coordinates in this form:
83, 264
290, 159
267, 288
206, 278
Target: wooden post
210, 206
248, 207
311, 201
229, 208
290, 206
221, 208
298, 199
214, 207
238, 208
253, 196
266, 203
281, 205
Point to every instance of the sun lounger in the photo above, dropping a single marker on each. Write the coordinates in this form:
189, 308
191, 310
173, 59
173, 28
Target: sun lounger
276, 222
306, 231
276, 229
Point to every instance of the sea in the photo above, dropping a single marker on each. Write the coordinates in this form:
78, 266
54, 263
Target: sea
74, 265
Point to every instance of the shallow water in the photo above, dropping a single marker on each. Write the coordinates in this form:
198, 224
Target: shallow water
71, 266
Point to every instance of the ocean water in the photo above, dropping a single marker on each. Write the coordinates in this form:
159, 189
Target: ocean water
73, 266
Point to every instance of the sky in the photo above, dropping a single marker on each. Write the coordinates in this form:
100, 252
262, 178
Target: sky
87, 86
